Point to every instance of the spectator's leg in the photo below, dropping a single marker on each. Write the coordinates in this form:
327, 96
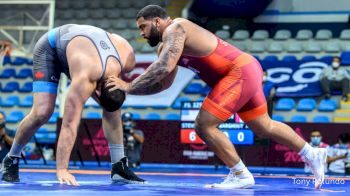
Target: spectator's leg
325, 85
345, 88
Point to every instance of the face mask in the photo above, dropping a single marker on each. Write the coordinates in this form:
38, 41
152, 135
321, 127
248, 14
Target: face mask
315, 141
335, 65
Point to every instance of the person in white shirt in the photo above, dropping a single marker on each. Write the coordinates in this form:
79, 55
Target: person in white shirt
339, 154
335, 77
316, 141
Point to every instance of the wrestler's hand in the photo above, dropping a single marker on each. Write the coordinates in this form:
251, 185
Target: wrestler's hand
114, 83
64, 176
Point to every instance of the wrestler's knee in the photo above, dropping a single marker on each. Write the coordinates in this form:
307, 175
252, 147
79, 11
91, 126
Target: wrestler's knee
201, 128
41, 115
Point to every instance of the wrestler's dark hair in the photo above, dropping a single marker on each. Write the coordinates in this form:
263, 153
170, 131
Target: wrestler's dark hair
344, 137
111, 100
152, 11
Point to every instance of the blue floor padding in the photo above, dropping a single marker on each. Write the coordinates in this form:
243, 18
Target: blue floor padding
168, 180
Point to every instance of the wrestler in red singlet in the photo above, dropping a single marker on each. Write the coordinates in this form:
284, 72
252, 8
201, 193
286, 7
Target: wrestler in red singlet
228, 71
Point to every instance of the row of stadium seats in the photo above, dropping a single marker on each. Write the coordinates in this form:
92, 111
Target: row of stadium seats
16, 116
302, 118
11, 73
292, 47
283, 34
306, 104
14, 86
78, 4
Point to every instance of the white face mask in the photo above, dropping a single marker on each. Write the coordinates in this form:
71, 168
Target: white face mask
335, 65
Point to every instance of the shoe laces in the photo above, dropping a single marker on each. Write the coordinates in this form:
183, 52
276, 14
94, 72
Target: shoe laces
231, 178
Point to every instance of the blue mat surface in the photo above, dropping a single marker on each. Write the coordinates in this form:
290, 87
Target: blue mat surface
168, 180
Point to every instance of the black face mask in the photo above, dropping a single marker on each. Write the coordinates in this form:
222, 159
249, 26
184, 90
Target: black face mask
2, 123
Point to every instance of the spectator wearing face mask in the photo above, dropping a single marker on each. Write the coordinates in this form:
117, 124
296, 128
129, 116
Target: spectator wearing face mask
335, 77
339, 154
316, 141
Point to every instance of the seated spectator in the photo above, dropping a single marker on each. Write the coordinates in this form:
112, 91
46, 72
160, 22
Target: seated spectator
5, 140
269, 91
316, 141
335, 77
339, 154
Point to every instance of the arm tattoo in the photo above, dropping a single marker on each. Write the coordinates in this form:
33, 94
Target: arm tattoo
150, 81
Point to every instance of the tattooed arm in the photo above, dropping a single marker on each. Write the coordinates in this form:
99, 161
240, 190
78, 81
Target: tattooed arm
152, 79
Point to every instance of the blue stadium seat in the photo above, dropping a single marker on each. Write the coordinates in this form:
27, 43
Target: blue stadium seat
327, 105
321, 119
7, 60
177, 103
46, 136
136, 115
172, 116
298, 118
93, 115
277, 117
53, 118
285, 104
308, 58
25, 73
271, 58
205, 90
27, 102
19, 61
8, 73
193, 88
10, 87
200, 99
327, 59
289, 58
14, 116
345, 58
306, 104
153, 116
11, 101
26, 88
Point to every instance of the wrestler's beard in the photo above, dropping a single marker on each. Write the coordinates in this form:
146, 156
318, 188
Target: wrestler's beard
153, 39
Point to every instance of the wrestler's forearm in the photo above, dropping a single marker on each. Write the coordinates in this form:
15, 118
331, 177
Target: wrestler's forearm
64, 147
150, 81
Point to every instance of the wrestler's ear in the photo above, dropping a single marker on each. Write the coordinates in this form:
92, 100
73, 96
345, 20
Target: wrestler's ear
157, 20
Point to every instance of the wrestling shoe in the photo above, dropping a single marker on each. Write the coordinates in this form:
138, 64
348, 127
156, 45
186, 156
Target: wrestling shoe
121, 173
316, 160
10, 169
236, 180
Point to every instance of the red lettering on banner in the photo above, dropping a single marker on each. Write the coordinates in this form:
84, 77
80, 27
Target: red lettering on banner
292, 156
